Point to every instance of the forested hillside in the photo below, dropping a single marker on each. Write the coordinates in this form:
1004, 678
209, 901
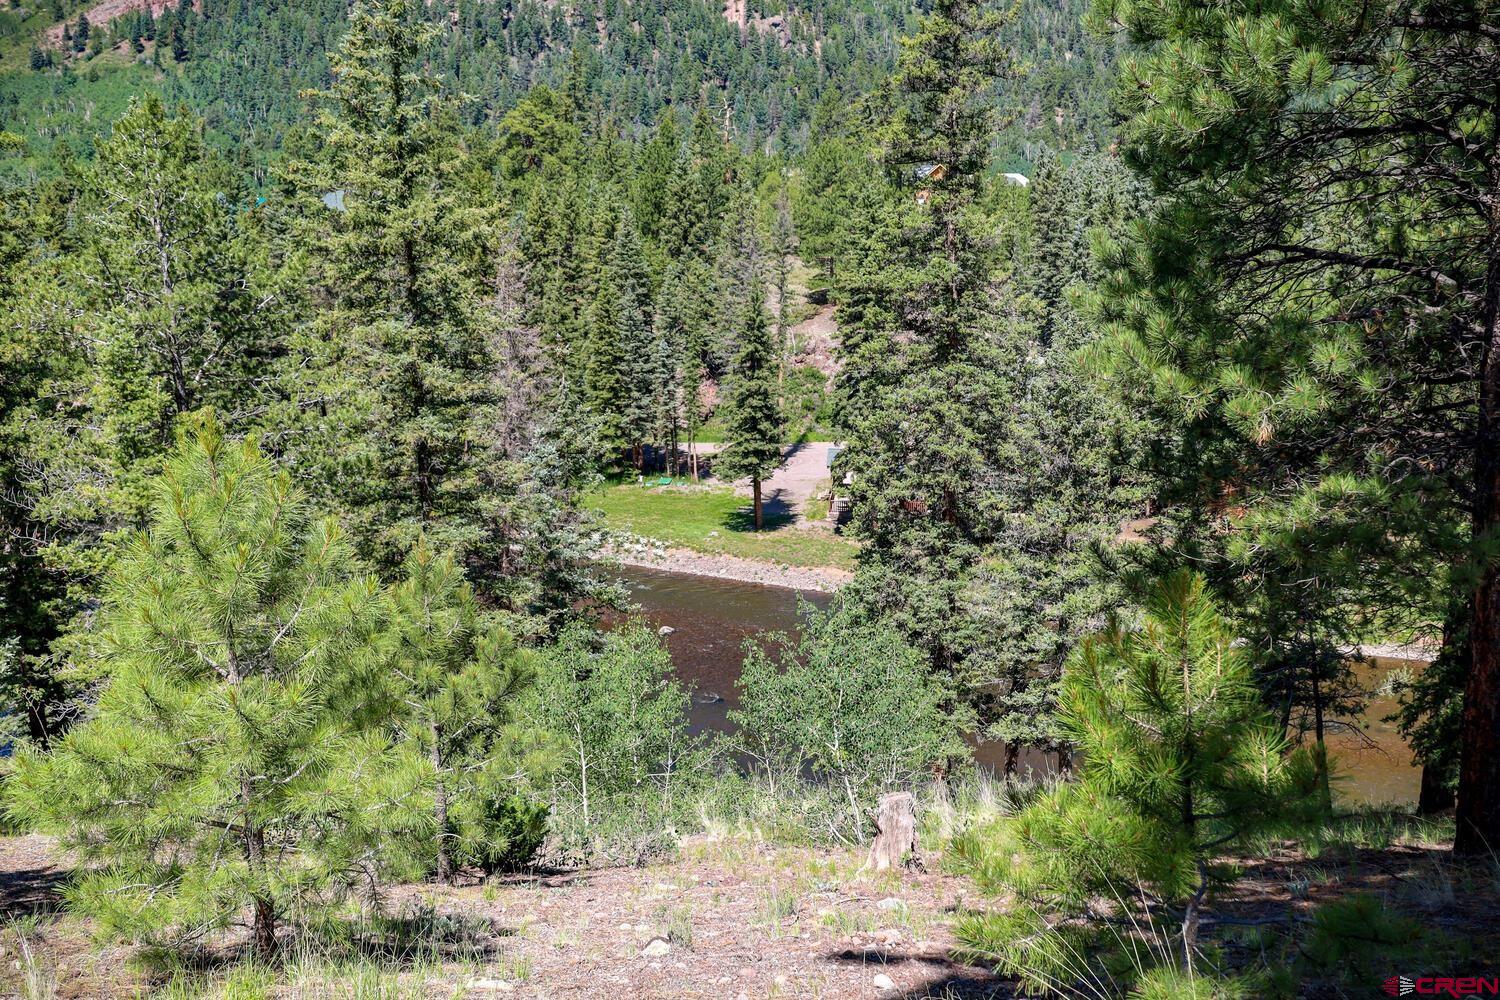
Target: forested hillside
762, 71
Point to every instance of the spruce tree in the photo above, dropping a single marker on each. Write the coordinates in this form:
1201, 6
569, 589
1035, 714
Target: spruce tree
640, 381
232, 760
605, 388
782, 243
684, 321
1067, 476
653, 180
393, 384
752, 421
928, 396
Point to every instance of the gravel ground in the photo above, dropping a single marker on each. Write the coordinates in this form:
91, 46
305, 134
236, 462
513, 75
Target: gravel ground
820, 578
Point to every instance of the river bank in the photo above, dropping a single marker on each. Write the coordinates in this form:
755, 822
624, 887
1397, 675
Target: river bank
644, 555
708, 615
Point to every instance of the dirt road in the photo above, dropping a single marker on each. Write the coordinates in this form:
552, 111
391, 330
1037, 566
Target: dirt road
803, 467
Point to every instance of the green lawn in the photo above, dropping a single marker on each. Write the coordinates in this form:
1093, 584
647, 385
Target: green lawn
714, 520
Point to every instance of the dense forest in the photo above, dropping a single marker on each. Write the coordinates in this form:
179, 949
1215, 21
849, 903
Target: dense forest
761, 72
1138, 366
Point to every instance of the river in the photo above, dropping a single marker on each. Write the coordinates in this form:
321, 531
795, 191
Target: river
710, 620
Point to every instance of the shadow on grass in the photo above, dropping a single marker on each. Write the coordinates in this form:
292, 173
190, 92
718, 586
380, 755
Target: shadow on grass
942, 976
342, 947
773, 518
418, 933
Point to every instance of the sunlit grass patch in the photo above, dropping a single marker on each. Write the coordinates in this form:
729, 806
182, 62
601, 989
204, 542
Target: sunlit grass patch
716, 521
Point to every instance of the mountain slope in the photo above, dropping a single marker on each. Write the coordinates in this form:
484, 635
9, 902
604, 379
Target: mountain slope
764, 66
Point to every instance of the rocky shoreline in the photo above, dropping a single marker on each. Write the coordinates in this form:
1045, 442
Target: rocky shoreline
824, 579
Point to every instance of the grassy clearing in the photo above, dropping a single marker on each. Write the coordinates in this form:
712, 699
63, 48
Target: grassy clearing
715, 521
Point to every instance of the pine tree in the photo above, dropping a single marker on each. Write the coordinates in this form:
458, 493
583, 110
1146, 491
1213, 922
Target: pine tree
1324, 347
1180, 761
457, 678
753, 421
232, 759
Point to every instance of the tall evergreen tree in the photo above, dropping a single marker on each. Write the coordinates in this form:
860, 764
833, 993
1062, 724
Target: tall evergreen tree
1067, 479
753, 421
782, 244
402, 228
929, 398
684, 320
641, 381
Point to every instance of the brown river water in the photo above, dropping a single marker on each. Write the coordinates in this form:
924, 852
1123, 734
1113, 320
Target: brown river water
710, 620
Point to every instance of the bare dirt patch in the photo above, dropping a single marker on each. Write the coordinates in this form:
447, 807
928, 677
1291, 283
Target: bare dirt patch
816, 341
731, 918
106, 11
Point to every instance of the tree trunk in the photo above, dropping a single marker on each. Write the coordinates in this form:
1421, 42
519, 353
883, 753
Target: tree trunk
1064, 761
1435, 795
895, 844
1012, 757
253, 842
583, 777
1478, 818
1190, 919
263, 925
756, 486
264, 928
1320, 748
440, 808
37, 724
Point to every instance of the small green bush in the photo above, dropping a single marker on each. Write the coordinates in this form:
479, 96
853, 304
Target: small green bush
505, 834
628, 769
1358, 937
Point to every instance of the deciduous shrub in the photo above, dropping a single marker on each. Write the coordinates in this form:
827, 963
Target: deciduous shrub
850, 703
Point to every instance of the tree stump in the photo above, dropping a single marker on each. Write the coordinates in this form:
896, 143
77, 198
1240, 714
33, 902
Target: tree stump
895, 844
